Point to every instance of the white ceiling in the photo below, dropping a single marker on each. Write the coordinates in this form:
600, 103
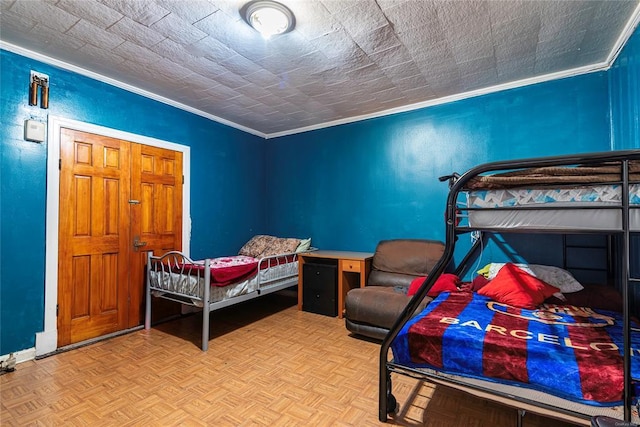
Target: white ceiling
345, 59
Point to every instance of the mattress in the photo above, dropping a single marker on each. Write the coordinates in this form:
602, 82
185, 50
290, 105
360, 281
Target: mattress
582, 208
189, 285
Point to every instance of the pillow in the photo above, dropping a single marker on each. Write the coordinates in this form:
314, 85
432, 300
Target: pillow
484, 271
554, 276
280, 245
304, 245
557, 277
256, 245
415, 285
516, 287
447, 282
479, 282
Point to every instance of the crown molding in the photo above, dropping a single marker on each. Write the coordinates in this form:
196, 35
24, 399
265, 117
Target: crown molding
113, 82
626, 33
447, 99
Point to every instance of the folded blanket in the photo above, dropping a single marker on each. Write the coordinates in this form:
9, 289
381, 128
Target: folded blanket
605, 173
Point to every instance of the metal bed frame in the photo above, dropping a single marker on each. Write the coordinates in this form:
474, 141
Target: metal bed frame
166, 274
388, 403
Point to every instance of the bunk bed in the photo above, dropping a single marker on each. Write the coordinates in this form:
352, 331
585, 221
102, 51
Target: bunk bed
597, 193
212, 284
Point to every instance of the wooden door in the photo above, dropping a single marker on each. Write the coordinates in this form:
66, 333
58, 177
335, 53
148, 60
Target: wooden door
156, 218
93, 236
118, 200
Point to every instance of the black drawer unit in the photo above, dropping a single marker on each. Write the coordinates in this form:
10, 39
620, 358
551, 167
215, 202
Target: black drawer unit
320, 288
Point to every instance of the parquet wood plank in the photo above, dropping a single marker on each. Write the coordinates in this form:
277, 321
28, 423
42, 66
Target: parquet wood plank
268, 364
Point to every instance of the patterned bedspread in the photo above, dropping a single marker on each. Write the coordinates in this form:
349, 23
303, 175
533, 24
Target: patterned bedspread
571, 352
505, 198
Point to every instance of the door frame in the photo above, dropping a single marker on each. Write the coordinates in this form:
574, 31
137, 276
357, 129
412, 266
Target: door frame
47, 340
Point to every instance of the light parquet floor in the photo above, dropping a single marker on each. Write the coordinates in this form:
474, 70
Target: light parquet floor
268, 364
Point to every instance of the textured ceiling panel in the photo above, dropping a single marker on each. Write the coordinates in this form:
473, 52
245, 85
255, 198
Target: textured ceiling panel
344, 59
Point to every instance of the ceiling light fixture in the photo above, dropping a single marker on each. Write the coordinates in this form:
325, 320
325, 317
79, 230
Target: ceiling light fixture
268, 17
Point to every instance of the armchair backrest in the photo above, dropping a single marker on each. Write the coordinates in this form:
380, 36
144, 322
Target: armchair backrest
397, 262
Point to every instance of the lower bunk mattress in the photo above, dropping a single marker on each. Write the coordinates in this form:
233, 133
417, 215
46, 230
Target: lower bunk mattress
571, 352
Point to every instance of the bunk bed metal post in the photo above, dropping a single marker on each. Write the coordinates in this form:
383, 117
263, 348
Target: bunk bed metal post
626, 277
205, 304
386, 401
456, 184
147, 310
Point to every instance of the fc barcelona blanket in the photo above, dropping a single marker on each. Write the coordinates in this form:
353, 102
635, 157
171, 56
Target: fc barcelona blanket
571, 352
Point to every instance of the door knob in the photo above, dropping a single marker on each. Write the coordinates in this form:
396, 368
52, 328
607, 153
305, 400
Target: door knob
137, 243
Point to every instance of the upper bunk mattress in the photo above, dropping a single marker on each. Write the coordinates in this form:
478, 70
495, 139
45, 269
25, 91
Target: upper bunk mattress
591, 207
581, 198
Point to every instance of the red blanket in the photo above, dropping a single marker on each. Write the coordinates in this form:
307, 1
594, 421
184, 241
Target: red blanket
228, 270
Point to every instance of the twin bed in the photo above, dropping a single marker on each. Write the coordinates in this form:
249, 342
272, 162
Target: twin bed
265, 264
565, 353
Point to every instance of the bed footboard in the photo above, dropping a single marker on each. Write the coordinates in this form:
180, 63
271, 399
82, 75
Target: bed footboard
173, 277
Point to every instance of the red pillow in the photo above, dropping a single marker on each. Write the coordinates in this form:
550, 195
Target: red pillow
446, 282
415, 285
479, 282
516, 287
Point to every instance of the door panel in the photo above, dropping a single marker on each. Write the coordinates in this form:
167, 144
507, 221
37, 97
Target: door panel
81, 285
109, 297
112, 192
93, 236
156, 220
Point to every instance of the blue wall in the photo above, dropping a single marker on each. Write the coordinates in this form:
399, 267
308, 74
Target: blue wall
347, 187
624, 87
624, 90
356, 184
227, 179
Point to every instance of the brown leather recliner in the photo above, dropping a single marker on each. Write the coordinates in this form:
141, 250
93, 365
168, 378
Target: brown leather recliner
371, 311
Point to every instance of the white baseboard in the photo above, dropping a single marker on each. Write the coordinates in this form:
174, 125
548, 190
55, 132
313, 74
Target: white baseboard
46, 342
21, 356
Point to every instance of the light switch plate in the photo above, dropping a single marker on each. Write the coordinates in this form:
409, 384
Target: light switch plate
34, 131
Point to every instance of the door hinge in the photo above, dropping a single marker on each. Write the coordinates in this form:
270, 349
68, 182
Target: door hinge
59, 164
57, 309
182, 179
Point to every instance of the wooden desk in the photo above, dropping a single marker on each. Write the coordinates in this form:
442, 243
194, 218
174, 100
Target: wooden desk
353, 270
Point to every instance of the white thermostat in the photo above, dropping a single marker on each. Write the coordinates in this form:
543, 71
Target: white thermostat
34, 131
